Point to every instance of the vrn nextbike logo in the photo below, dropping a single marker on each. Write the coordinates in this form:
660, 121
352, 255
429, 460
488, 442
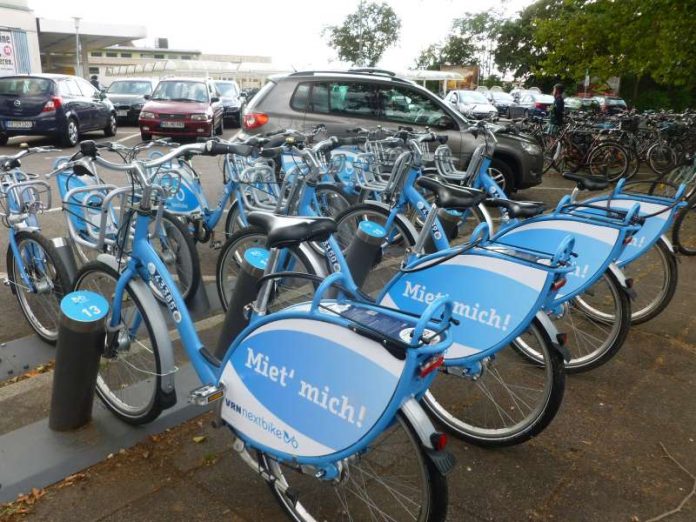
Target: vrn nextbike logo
165, 291
263, 424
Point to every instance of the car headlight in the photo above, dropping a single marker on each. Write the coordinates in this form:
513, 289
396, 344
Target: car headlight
200, 117
144, 115
531, 148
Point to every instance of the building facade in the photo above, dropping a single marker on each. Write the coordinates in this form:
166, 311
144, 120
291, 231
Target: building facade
19, 42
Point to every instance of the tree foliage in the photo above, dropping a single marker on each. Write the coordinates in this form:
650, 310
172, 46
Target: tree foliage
365, 34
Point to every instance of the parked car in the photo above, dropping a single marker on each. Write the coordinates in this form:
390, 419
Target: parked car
472, 103
577, 103
231, 99
535, 104
345, 100
503, 102
611, 104
518, 92
55, 105
182, 107
128, 96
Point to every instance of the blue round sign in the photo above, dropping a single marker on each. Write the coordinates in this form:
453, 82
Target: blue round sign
84, 306
256, 257
372, 229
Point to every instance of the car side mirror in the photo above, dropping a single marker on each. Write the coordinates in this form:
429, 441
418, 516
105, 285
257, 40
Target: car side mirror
214, 99
147, 97
445, 123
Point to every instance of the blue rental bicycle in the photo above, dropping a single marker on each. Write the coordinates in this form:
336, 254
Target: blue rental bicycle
321, 398
487, 393
35, 273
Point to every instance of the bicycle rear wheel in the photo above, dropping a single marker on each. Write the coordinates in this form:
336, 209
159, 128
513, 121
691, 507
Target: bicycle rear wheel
655, 275
661, 158
512, 397
609, 160
49, 281
128, 382
393, 480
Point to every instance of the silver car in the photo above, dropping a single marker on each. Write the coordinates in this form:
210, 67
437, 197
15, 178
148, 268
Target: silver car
473, 104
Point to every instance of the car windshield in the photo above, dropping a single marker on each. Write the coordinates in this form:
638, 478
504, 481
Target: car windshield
25, 86
502, 97
181, 91
617, 102
543, 98
227, 88
140, 88
472, 97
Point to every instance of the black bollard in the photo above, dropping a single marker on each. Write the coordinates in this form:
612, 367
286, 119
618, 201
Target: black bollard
81, 335
245, 291
363, 250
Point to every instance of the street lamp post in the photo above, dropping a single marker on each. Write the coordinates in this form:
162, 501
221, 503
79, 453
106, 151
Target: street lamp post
78, 72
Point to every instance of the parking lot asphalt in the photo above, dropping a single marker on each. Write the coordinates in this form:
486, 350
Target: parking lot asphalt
601, 459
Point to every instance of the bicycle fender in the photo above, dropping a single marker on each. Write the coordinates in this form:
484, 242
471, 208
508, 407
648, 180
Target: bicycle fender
443, 460
553, 333
159, 329
668, 244
621, 278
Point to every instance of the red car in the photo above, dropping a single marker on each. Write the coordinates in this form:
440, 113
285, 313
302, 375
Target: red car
182, 107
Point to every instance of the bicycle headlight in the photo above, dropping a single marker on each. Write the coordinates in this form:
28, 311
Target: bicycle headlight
531, 148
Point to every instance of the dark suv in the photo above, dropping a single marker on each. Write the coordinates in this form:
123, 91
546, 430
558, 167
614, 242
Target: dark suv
345, 100
53, 105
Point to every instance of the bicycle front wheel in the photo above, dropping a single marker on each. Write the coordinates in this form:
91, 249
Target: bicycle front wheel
608, 160
393, 480
510, 398
684, 229
661, 158
49, 282
128, 382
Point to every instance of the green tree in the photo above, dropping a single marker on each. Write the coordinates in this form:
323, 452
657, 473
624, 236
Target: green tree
365, 34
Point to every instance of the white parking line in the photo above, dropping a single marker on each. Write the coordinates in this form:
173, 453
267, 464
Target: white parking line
128, 137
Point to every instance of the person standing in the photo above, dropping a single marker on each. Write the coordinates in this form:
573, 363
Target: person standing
557, 109
94, 80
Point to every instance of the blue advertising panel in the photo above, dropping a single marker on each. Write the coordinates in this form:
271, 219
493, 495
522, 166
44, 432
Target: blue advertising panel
307, 387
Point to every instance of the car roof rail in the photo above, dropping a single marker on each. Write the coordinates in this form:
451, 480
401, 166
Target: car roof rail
356, 71
372, 70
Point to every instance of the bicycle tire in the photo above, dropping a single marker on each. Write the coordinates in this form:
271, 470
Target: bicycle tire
596, 160
335, 505
43, 321
661, 158
458, 417
665, 294
148, 386
681, 230
255, 237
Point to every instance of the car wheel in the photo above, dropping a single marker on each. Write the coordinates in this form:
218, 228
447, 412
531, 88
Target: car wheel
71, 134
502, 175
221, 127
3, 139
145, 137
111, 126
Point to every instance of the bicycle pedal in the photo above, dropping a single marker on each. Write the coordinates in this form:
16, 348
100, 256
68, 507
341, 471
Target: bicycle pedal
205, 395
6, 281
216, 244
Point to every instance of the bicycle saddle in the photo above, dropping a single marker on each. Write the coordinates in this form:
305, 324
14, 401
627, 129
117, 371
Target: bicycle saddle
284, 231
587, 182
449, 196
518, 209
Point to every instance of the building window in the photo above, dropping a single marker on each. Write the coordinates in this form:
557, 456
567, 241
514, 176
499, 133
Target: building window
185, 57
94, 70
159, 57
96, 53
112, 55
126, 55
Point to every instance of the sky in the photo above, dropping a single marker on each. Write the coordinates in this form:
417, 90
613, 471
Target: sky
289, 32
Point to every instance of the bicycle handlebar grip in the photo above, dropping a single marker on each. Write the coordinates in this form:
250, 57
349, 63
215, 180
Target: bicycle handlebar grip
271, 152
214, 148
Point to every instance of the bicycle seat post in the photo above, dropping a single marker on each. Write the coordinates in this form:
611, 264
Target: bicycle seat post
425, 230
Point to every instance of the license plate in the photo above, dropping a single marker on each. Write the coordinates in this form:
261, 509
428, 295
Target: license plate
19, 124
121, 113
173, 124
